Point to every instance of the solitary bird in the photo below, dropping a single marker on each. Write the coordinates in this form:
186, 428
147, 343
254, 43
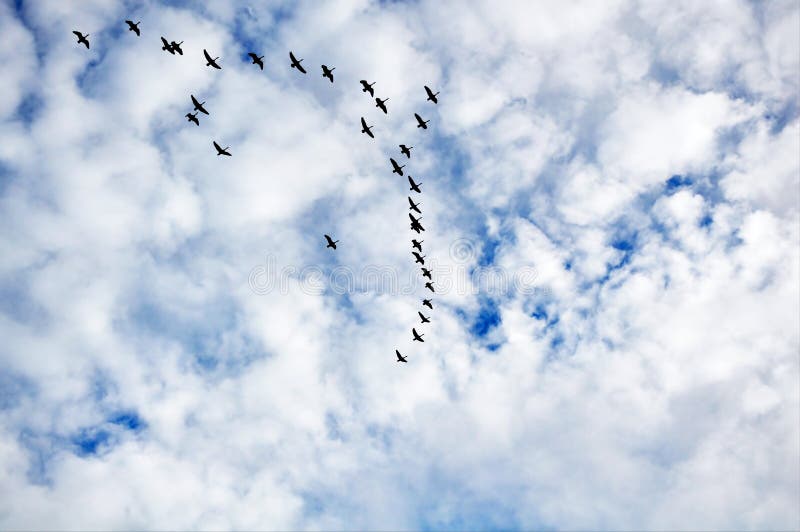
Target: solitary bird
414, 186
134, 27
192, 118
177, 46
427, 303
82, 38
257, 60
423, 317
366, 129
406, 150
420, 122
417, 244
400, 358
211, 62
413, 206
418, 259
331, 242
431, 95
296, 63
426, 273
396, 168
167, 46
367, 87
429, 286
328, 72
221, 151
381, 104
198, 106
417, 336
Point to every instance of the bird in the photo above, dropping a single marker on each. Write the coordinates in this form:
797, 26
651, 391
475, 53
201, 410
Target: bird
417, 336
331, 242
193, 118
396, 168
400, 358
296, 63
211, 62
167, 46
419, 259
420, 122
413, 206
417, 227
221, 151
198, 106
406, 150
429, 286
414, 219
427, 303
366, 129
134, 27
328, 72
381, 104
257, 60
431, 95
426, 273
423, 317
367, 87
82, 38
177, 46
417, 244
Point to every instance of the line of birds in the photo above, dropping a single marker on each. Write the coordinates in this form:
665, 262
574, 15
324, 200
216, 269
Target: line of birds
174, 48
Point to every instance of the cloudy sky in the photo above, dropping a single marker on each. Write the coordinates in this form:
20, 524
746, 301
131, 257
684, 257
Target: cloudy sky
611, 198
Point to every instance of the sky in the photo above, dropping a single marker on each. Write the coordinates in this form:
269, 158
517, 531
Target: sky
611, 198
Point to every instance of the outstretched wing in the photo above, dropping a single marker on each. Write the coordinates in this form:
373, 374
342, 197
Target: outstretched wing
253, 56
217, 146
208, 57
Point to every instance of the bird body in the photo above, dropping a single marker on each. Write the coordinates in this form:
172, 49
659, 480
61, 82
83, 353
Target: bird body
82, 38
296, 63
417, 244
134, 27
400, 358
331, 242
381, 104
396, 168
431, 95
211, 62
366, 129
198, 106
413, 206
177, 46
328, 72
193, 118
367, 87
257, 60
166, 46
414, 186
406, 150
420, 122
417, 336
221, 150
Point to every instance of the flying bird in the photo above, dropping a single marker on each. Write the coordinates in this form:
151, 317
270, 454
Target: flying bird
429, 286
328, 72
417, 227
192, 118
211, 62
198, 106
331, 242
414, 186
406, 150
257, 60
427, 273
367, 87
417, 244
167, 46
177, 46
417, 336
82, 38
381, 104
296, 63
366, 129
400, 358
431, 95
423, 317
396, 168
221, 151
413, 206
427, 303
134, 27
418, 259
420, 122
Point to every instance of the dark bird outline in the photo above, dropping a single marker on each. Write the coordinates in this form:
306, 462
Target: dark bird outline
400, 358
417, 336
381, 104
429, 286
423, 317
417, 244
420, 122
396, 168
256, 59
431, 95
427, 303
177, 46
211, 62
367, 87
414, 206
82, 38
328, 72
220, 150
331, 242
414, 186
418, 259
366, 129
167, 46
296, 63
198, 106
134, 27
193, 118
427, 273
406, 150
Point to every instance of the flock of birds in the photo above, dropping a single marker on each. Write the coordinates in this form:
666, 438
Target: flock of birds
173, 48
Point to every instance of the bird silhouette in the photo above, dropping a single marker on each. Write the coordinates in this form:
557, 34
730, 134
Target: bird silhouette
296, 63
396, 168
220, 150
406, 150
400, 358
417, 336
366, 129
331, 242
328, 72
414, 206
427, 303
414, 186
167, 46
431, 95
211, 62
429, 286
82, 38
381, 104
367, 87
427, 273
257, 60
420, 122
198, 106
193, 118
177, 46
418, 259
423, 317
417, 244
134, 27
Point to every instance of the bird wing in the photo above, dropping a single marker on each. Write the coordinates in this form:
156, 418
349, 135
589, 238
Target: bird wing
252, 55
217, 146
77, 33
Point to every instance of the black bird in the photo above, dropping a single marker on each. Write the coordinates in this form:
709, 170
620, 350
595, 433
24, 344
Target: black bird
296, 63
417, 336
419, 259
423, 317
177, 46
429, 286
134, 27
367, 87
406, 150
431, 95
427, 303
193, 118
400, 358
414, 186
331, 242
396, 168
328, 72
420, 122
417, 244
221, 151
198, 106
82, 38
366, 129
414, 206
427, 273
257, 60
414, 220
381, 104
211, 62
417, 227
167, 46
